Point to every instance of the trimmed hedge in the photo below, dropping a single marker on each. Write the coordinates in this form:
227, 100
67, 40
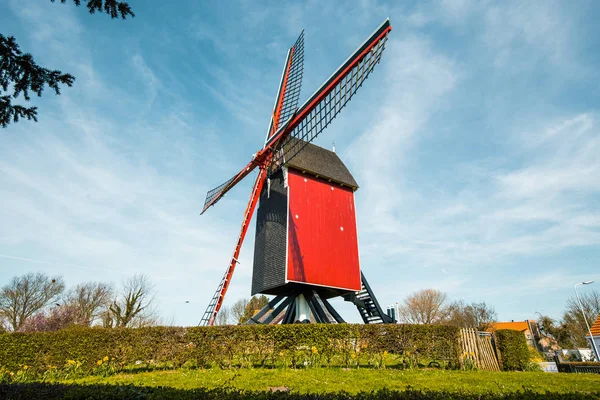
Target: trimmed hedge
92, 392
513, 349
82, 349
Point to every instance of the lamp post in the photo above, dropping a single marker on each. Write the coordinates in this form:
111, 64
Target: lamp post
597, 355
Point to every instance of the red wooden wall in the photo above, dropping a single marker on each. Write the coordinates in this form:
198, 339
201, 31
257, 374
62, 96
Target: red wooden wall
322, 238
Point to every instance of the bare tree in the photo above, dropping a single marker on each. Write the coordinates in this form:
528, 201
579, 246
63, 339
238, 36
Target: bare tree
238, 310
89, 300
25, 295
59, 317
133, 305
475, 315
255, 304
223, 316
573, 318
243, 309
554, 333
424, 307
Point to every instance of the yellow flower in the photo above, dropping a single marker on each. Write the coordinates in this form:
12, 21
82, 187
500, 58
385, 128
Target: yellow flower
99, 362
385, 353
25, 367
71, 362
314, 350
408, 353
281, 353
353, 355
105, 358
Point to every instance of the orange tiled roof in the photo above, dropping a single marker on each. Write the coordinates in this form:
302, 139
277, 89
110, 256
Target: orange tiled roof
516, 326
596, 327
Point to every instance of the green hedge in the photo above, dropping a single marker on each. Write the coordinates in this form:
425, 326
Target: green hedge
106, 392
513, 350
230, 346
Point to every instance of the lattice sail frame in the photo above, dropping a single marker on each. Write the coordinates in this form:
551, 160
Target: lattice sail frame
286, 102
321, 116
220, 190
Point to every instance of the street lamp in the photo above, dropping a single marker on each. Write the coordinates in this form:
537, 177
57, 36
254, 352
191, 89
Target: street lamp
585, 319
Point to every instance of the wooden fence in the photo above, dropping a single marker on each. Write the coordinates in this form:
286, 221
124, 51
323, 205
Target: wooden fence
478, 350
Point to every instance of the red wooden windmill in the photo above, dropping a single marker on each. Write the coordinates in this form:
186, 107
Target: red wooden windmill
306, 248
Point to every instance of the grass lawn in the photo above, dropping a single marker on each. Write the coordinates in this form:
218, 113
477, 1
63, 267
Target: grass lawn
320, 380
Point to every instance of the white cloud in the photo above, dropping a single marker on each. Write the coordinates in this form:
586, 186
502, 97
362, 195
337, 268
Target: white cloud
415, 78
521, 33
103, 188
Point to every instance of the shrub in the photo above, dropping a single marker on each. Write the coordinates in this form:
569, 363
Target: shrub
230, 346
27, 391
513, 350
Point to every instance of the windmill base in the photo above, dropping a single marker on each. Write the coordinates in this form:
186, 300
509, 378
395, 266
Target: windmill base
310, 305
298, 308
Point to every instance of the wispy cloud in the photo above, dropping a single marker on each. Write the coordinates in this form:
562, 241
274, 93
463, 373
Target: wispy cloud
474, 142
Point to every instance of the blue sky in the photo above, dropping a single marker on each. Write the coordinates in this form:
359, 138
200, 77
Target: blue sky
475, 143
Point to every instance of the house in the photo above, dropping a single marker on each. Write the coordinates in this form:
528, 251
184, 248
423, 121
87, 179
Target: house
595, 336
529, 329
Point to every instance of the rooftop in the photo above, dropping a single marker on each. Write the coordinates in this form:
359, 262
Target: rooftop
323, 163
522, 326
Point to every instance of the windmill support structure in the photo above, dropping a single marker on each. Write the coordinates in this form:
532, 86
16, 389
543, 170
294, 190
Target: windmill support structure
217, 300
303, 307
309, 306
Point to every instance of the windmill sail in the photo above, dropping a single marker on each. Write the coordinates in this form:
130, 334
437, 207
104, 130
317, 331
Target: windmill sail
323, 106
216, 194
288, 94
285, 105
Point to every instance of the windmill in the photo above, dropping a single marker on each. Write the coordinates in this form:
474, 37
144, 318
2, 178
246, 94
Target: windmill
289, 165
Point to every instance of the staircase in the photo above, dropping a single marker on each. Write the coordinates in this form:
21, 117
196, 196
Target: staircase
209, 314
367, 305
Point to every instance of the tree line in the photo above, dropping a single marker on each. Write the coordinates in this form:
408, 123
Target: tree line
38, 302
241, 311
431, 306
570, 330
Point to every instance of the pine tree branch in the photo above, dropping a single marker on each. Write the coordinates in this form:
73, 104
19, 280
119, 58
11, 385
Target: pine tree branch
111, 7
20, 74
